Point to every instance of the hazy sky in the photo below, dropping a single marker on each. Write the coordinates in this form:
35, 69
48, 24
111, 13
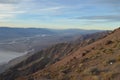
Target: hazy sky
85, 14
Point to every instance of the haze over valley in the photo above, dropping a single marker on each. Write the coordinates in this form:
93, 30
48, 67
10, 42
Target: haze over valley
16, 42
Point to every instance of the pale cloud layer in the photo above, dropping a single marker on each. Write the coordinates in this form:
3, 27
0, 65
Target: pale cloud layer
8, 1
59, 12
101, 18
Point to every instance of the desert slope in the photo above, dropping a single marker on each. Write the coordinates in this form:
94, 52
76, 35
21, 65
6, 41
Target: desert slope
46, 57
97, 61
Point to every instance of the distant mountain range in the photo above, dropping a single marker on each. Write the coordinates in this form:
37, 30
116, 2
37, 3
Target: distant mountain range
15, 42
26, 39
7, 33
14, 33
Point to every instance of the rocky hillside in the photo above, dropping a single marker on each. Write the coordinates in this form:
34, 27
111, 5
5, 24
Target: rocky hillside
97, 61
47, 57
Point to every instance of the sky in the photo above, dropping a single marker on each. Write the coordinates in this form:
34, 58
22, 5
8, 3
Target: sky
60, 14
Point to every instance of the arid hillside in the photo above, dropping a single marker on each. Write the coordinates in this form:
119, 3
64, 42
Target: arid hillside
97, 61
49, 56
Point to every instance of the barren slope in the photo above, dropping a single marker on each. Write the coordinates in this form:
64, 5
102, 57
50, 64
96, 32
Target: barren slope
49, 56
97, 61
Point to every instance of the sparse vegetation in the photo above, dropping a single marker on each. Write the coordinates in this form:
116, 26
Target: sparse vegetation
92, 71
98, 61
108, 42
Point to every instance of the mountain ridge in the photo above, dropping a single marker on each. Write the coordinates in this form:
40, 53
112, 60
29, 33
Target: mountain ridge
62, 50
97, 61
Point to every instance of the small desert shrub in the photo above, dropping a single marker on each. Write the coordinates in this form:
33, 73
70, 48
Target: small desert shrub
65, 69
30, 78
95, 56
85, 52
47, 75
119, 46
108, 42
80, 68
108, 51
101, 48
74, 58
118, 58
92, 71
84, 60
111, 76
104, 50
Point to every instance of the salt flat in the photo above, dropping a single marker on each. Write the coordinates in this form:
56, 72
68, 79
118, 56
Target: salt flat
5, 56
